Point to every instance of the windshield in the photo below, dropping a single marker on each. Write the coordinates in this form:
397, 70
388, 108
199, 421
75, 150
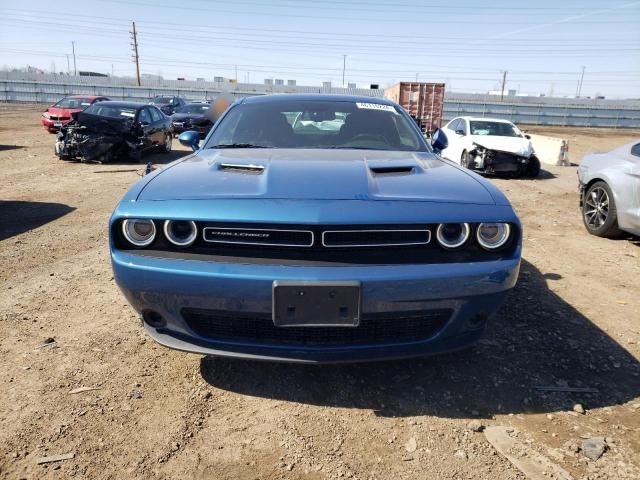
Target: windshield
195, 108
498, 129
162, 100
316, 124
105, 110
74, 103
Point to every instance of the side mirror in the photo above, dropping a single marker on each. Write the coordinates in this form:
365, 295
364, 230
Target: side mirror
439, 141
527, 136
190, 138
460, 132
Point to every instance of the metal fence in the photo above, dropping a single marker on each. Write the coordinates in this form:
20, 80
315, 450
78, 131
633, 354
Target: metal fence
522, 110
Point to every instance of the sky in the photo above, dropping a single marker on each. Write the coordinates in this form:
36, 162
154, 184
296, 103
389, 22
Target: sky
543, 46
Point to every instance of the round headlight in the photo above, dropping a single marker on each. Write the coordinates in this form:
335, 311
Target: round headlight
453, 235
139, 232
181, 233
493, 235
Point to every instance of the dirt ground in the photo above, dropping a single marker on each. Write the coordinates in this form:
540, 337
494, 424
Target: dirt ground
573, 320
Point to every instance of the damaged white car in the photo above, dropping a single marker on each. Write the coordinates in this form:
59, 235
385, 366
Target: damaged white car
491, 146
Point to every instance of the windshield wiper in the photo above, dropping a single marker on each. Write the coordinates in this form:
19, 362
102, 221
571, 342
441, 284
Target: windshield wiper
239, 145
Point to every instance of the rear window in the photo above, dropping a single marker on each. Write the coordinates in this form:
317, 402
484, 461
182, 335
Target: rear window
317, 124
111, 111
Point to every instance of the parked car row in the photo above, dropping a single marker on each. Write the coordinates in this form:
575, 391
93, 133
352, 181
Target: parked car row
94, 128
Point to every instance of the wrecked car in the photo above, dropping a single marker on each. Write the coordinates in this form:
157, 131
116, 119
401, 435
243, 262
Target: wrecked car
193, 116
107, 131
490, 146
59, 114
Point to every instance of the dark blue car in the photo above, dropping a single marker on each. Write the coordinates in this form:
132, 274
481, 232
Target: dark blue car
315, 229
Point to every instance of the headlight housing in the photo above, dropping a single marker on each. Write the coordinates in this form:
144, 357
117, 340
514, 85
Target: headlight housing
453, 235
181, 233
139, 232
492, 236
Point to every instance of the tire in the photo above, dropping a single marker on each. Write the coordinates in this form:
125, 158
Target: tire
168, 140
464, 159
599, 213
533, 168
135, 155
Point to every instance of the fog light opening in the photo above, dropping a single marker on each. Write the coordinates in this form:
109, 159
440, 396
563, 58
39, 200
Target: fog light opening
154, 319
478, 320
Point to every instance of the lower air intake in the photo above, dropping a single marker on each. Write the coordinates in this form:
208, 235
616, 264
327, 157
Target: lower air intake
374, 329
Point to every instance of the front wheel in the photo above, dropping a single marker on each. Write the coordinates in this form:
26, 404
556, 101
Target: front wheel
168, 140
533, 168
465, 159
599, 211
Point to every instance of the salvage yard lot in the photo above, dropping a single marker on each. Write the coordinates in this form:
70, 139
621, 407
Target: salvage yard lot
127, 408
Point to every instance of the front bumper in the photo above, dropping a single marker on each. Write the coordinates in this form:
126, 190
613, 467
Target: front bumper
472, 292
53, 125
179, 127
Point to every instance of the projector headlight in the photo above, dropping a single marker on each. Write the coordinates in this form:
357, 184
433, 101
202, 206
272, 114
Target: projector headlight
453, 235
181, 233
492, 236
139, 232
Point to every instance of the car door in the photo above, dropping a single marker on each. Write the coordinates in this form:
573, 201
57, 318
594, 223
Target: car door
635, 185
453, 151
146, 122
160, 125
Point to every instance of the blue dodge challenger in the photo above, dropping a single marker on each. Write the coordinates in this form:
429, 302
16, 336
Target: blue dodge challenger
311, 228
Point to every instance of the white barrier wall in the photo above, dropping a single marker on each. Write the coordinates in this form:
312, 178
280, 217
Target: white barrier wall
551, 150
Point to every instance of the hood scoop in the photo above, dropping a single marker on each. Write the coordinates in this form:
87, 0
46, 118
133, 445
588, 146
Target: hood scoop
393, 170
241, 168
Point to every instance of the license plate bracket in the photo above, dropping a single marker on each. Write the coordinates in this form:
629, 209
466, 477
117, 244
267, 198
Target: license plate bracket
316, 304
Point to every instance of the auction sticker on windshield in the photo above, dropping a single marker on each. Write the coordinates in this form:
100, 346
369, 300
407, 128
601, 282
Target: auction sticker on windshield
376, 106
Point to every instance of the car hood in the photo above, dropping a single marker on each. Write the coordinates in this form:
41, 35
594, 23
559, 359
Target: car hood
62, 112
316, 174
181, 117
517, 145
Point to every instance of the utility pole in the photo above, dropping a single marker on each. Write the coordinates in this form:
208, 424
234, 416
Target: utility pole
134, 45
236, 75
68, 67
73, 49
580, 84
504, 81
344, 66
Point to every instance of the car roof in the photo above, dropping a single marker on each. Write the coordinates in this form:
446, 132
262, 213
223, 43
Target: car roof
93, 97
114, 103
485, 119
316, 97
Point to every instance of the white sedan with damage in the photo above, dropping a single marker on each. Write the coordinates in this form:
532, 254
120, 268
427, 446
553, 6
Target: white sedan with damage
491, 146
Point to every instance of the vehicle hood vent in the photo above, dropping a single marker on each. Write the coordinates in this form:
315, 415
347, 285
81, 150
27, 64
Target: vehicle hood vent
393, 170
241, 168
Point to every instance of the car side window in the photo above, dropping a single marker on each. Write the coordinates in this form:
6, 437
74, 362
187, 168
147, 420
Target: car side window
454, 124
635, 150
155, 114
462, 125
144, 116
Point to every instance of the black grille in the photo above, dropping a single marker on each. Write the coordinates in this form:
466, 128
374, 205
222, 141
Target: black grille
378, 328
374, 238
258, 236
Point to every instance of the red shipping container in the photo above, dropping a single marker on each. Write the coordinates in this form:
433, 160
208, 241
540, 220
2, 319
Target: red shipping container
423, 101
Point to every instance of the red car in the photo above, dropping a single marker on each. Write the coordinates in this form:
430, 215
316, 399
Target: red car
60, 114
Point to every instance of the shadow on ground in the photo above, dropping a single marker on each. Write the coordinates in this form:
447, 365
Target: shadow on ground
157, 158
10, 147
537, 339
17, 217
